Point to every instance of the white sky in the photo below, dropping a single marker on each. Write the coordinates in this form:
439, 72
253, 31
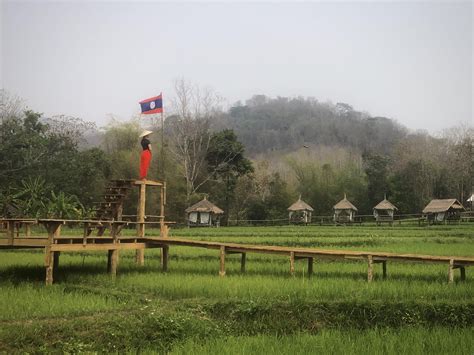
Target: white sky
404, 60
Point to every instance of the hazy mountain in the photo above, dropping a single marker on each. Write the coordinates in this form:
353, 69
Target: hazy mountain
265, 124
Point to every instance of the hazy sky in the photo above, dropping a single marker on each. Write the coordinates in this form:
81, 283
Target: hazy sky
404, 60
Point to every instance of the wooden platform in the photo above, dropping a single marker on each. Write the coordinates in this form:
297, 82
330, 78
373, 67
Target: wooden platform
55, 243
310, 254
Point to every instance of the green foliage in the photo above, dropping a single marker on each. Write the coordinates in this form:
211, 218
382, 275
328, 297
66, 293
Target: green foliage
225, 156
45, 154
226, 163
304, 147
323, 177
376, 170
32, 197
63, 206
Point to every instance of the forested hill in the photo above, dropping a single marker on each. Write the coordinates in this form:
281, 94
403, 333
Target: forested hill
264, 124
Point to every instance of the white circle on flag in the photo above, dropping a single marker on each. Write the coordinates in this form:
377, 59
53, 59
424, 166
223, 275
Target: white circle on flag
152, 105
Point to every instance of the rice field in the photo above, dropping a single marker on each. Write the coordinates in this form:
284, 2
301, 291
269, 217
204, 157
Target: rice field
191, 310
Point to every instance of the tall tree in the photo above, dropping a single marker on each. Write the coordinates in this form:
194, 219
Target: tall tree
376, 169
193, 109
226, 163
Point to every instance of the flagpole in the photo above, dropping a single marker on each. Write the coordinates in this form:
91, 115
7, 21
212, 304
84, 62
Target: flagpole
162, 139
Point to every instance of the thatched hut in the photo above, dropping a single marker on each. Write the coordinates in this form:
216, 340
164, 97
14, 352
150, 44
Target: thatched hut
384, 211
204, 214
344, 211
471, 201
444, 210
300, 212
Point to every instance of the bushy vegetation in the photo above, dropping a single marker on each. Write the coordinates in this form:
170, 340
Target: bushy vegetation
253, 160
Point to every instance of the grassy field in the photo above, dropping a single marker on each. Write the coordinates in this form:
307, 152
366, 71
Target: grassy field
190, 309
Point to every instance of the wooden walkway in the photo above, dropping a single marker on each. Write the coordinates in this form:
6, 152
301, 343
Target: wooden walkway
372, 257
56, 243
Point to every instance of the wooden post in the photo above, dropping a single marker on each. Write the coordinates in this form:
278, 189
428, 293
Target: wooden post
27, 230
242, 262
310, 267
164, 257
292, 263
222, 261
163, 232
140, 257
112, 262
54, 230
85, 233
141, 211
451, 271
140, 253
49, 262
384, 269
462, 269
56, 255
370, 268
10, 232
109, 261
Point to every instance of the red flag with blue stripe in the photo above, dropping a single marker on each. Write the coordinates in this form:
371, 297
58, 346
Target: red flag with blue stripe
152, 105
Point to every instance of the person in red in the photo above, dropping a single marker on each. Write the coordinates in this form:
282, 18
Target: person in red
145, 158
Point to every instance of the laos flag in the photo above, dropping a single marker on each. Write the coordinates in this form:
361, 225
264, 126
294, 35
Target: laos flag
152, 105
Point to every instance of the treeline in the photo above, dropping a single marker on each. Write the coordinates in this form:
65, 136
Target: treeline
252, 160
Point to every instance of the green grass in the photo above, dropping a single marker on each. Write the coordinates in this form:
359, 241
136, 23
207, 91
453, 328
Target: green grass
376, 341
335, 311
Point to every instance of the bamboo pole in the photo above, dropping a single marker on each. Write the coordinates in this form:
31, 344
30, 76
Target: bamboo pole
162, 140
163, 231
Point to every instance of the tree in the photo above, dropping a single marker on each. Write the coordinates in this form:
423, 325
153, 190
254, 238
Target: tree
32, 146
226, 163
189, 127
460, 159
10, 106
376, 169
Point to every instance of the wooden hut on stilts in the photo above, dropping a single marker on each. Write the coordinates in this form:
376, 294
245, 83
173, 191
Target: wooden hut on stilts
471, 201
300, 212
204, 214
384, 212
344, 211
443, 211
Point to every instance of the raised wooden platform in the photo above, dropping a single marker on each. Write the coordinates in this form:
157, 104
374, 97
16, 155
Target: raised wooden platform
55, 243
371, 257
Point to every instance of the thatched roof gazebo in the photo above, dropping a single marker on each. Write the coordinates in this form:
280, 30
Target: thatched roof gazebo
300, 212
471, 200
443, 210
203, 214
344, 211
384, 211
